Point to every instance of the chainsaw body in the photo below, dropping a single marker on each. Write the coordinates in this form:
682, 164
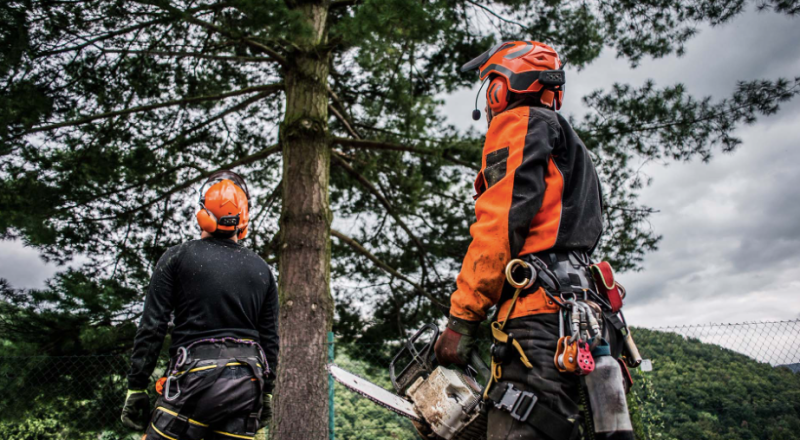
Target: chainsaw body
447, 400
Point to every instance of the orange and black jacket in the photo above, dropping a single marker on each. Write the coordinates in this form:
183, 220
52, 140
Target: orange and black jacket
537, 190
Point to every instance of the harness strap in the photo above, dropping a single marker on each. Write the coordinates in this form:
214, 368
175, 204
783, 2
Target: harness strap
501, 336
252, 421
179, 424
525, 407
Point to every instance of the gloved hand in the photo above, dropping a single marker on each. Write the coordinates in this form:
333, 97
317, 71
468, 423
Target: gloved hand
266, 400
457, 341
266, 409
136, 412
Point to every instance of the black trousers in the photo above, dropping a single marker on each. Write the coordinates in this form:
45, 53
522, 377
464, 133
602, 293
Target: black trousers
537, 334
221, 411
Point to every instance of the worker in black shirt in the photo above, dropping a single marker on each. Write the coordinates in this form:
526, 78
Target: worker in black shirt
224, 351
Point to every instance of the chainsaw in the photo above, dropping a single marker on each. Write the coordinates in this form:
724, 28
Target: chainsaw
443, 403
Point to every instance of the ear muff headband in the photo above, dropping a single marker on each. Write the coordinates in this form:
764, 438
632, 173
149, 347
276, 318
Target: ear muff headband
497, 95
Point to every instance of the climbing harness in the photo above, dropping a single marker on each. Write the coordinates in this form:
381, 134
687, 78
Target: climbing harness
522, 405
183, 358
215, 354
582, 348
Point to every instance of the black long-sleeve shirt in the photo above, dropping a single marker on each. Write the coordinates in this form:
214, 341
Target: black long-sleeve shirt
216, 288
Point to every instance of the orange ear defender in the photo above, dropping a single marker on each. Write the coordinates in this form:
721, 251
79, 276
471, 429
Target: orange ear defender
225, 205
497, 95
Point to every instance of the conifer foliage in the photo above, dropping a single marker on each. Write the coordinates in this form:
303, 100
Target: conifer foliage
112, 111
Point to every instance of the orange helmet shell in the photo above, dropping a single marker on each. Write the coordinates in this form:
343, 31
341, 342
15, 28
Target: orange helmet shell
527, 66
221, 204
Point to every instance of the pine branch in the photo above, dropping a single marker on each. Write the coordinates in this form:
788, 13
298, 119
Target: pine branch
233, 109
204, 24
144, 108
378, 195
103, 37
342, 115
240, 106
378, 262
344, 122
343, 3
378, 145
193, 55
128, 29
262, 154
489, 10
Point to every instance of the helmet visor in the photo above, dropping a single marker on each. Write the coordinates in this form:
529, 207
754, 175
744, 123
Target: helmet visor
484, 57
221, 175
229, 175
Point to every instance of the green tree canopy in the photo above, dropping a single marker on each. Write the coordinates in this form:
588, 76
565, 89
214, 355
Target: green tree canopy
113, 111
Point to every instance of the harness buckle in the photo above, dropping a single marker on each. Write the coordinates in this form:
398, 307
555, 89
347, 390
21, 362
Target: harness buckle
517, 403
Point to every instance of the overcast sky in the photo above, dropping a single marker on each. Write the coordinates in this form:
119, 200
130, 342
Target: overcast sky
731, 246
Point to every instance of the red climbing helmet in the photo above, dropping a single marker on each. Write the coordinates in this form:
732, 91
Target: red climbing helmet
520, 67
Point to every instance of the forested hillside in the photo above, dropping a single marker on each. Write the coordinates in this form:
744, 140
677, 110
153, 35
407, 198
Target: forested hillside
702, 391
696, 391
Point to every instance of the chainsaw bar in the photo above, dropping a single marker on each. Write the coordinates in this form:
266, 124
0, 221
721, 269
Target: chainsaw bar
373, 392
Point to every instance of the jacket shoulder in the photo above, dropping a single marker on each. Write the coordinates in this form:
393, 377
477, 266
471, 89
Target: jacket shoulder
551, 117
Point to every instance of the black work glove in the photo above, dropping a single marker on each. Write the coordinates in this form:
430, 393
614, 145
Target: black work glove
457, 342
266, 409
136, 412
266, 400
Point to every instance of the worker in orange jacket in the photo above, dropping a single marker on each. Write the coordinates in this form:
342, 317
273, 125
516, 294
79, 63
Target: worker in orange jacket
538, 194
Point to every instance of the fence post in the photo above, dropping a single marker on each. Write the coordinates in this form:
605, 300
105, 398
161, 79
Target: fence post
331, 432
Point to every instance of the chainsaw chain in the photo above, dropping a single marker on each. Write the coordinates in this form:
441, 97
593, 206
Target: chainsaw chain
373, 400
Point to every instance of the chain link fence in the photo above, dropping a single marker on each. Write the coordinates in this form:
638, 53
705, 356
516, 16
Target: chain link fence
738, 378
773, 342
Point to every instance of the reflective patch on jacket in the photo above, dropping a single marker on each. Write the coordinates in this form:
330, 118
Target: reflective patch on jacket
496, 165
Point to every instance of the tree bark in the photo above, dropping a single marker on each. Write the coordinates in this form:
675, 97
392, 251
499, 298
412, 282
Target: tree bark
306, 315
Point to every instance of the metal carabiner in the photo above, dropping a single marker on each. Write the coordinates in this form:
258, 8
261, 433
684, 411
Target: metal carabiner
183, 356
527, 282
575, 318
167, 397
592, 326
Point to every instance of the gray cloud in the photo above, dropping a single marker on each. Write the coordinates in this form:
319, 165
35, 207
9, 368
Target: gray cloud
22, 267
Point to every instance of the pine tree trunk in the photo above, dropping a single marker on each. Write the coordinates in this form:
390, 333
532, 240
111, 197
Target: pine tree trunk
301, 403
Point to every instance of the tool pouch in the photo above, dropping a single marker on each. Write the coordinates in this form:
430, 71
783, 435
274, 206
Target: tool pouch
603, 276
